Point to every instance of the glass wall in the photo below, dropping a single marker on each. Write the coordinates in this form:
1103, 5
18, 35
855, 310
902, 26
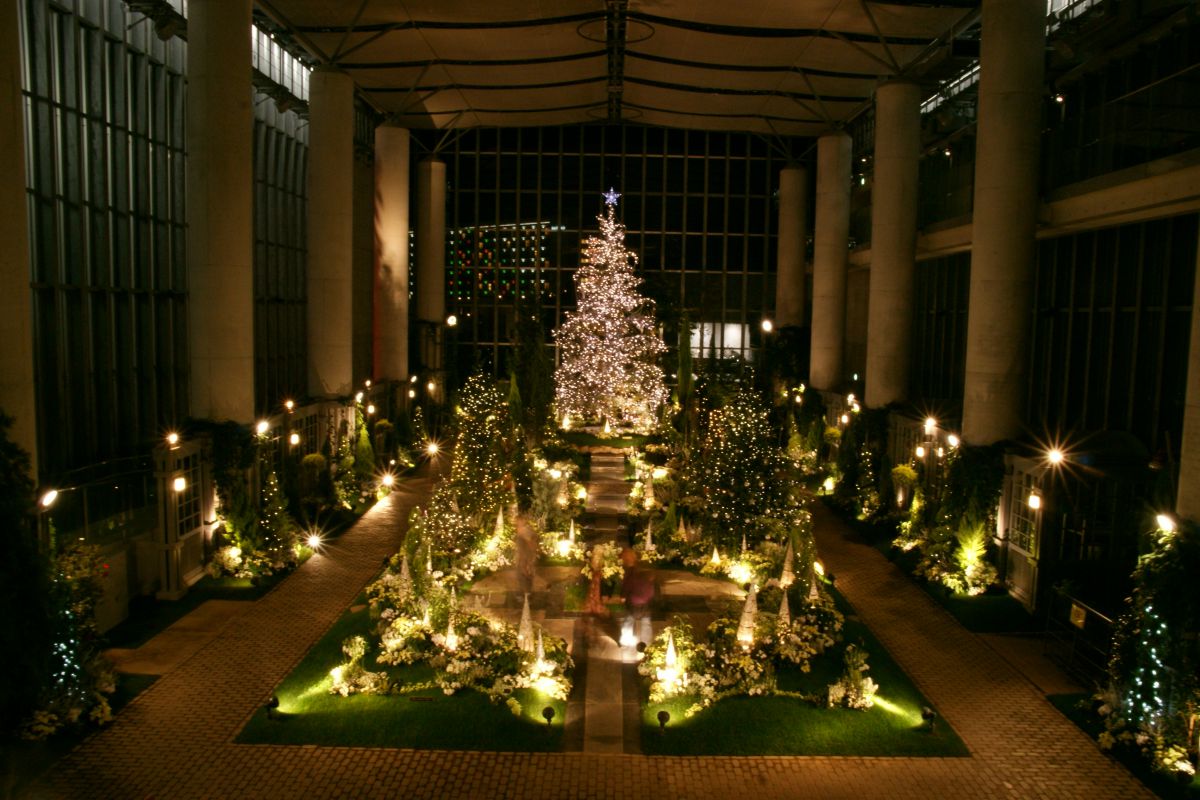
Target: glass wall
1111, 325
1139, 104
699, 208
104, 107
941, 290
280, 250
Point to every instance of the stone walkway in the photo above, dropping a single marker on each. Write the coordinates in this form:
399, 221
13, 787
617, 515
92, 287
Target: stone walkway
610, 722
175, 741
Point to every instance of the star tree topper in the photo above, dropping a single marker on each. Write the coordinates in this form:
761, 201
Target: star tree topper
611, 196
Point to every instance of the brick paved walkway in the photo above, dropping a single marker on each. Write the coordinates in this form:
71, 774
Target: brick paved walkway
176, 740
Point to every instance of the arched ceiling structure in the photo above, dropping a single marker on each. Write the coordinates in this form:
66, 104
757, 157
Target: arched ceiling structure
784, 67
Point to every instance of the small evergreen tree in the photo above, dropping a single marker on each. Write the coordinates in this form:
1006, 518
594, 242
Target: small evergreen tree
1155, 665
345, 482
478, 474
609, 347
364, 452
278, 527
737, 472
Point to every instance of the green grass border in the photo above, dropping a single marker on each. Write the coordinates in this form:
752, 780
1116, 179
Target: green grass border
781, 725
424, 719
584, 439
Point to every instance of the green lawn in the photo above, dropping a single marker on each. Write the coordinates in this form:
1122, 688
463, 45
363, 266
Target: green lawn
780, 725
585, 439
427, 718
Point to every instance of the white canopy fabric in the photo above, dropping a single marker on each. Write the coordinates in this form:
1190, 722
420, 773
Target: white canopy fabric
788, 67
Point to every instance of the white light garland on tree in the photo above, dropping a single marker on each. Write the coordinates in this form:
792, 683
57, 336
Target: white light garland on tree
609, 347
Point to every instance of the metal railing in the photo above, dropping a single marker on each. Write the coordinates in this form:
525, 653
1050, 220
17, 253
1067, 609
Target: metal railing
1079, 638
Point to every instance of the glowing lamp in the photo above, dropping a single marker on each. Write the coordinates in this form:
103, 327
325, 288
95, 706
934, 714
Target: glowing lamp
556, 473
413, 379
371, 408
451, 321
567, 422
581, 493
952, 440
1035, 501
294, 439
179, 484
48, 498
1166, 523
659, 473
432, 448
845, 418
819, 568
451, 637
563, 546
431, 387
388, 479
313, 541
358, 396
172, 438
262, 427
930, 426
289, 404
412, 393
920, 451
1055, 456
827, 485
716, 557
740, 572
367, 383
768, 326
627, 638
850, 399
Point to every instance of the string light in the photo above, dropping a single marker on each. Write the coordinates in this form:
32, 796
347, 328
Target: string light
609, 368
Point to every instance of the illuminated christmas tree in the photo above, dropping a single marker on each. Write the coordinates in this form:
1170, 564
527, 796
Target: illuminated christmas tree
737, 471
277, 525
479, 472
609, 347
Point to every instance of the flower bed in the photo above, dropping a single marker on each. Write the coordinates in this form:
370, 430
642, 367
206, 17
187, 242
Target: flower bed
769, 701
415, 711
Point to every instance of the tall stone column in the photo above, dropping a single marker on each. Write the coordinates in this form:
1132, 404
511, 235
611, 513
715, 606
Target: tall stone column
1187, 497
17, 393
220, 208
831, 241
791, 284
431, 259
1005, 220
363, 303
330, 233
391, 252
893, 242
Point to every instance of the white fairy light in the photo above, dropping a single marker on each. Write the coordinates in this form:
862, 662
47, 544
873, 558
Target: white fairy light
610, 347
